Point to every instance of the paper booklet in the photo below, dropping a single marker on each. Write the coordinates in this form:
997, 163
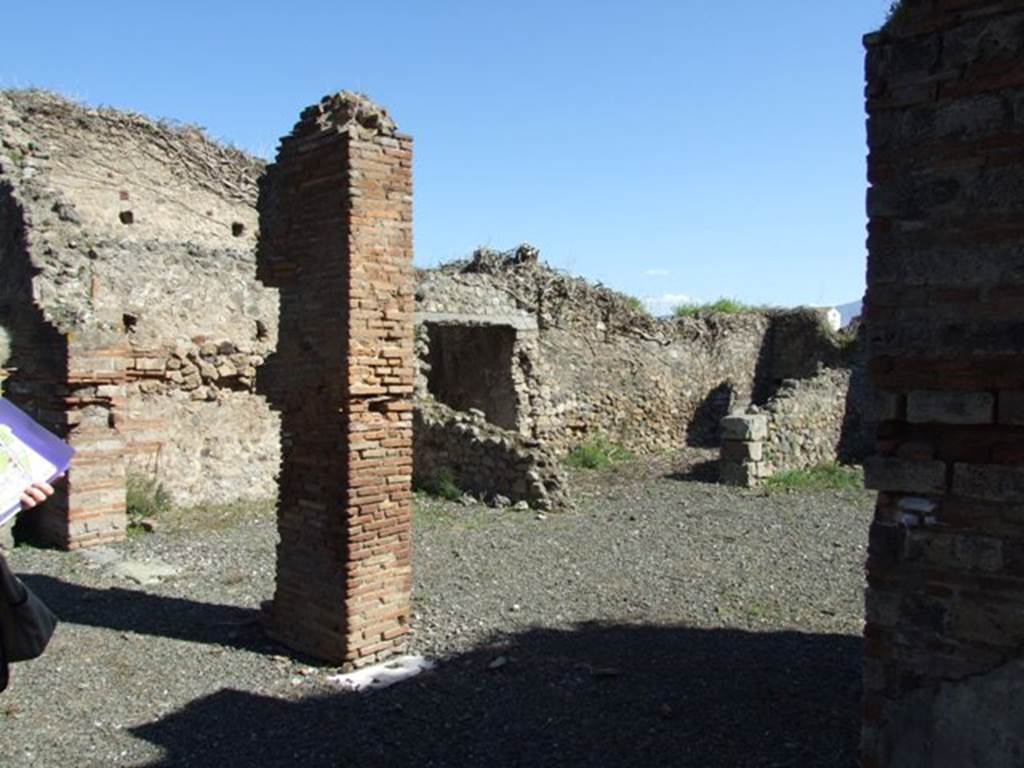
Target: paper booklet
28, 454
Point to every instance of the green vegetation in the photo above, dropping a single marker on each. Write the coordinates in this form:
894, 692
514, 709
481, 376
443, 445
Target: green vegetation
442, 484
145, 498
596, 453
824, 477
635, 303
724, 305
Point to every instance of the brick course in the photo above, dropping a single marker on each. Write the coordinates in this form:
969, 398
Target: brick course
945, 322
336, 238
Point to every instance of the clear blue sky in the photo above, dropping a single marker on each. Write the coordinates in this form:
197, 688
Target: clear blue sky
687, 147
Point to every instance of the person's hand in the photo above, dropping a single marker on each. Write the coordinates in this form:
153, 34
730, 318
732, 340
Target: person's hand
35, 494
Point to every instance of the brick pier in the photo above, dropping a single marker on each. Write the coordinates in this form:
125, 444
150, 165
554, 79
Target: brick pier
336, 239
944, 666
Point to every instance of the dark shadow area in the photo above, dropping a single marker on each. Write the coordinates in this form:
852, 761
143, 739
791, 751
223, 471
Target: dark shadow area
857, 438
599, 695
129, 610
698, 472
703, 430
470, 366
39, 362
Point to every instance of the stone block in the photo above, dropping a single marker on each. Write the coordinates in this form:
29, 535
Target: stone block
930, 407
1011, 408
748, 427
893, 474
739, 474
739, 451
991, 482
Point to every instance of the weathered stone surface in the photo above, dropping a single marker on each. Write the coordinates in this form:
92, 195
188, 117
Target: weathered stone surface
950, 407
484, 459
945, 328
989, 481
735, 450
749, 427
892, 474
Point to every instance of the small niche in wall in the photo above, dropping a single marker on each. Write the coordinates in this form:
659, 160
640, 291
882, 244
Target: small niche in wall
471, 367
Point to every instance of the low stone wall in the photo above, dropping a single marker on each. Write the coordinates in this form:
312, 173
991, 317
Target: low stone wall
807, 423
484, 459
805, 420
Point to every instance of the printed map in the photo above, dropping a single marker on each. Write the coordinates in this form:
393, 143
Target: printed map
18, 466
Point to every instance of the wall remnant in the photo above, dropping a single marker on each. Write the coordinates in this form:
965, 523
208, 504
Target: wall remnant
114, 315
945, 322
587, 361
336, 240
129, 244
484, 459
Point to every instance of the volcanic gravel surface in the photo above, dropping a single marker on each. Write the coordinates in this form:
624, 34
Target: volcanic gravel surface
665, 622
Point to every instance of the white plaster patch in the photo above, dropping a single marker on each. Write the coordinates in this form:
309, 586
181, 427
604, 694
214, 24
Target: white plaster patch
382, 675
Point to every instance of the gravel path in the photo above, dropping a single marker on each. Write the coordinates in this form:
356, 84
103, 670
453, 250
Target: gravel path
665, 622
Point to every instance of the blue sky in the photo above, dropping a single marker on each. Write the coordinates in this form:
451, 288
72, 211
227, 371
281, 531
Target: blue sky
694, 148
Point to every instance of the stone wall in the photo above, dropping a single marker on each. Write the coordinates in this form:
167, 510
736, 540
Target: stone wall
588, 361
944, 672
134, 238
485, 460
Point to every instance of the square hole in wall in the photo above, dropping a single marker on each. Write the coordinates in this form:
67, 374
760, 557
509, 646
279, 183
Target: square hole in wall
471, 367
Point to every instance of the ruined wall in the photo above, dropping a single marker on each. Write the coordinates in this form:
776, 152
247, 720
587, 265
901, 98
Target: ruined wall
589, 362
142, 233
944, 674
485, 460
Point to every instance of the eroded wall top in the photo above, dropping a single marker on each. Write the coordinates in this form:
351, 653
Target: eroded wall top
133, 220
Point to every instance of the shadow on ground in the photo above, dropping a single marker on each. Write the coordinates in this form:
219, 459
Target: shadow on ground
697, 472
132, 610
599, 695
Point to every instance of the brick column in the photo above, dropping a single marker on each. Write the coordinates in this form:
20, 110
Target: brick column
74, 385
336, 239
944, 666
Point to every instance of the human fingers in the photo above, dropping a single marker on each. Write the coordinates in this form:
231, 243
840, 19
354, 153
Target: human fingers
27, 502
45, 488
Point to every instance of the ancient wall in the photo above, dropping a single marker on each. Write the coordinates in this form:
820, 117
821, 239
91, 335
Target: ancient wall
336, 239
944, 672
588, 361
485, 460
138, 235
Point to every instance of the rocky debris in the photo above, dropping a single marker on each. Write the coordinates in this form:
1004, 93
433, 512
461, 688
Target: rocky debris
349, 111
492, 463
201, 368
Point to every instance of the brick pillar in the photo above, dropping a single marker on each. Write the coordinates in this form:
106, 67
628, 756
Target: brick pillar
336, 239
93, 496
944, 666
79, 395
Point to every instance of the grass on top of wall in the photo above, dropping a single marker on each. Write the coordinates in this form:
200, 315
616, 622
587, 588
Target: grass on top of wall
723, 305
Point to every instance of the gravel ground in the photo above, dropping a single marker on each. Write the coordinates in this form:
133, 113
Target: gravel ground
666, 622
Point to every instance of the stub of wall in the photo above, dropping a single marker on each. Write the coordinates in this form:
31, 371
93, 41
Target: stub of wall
336, 238
944, 631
